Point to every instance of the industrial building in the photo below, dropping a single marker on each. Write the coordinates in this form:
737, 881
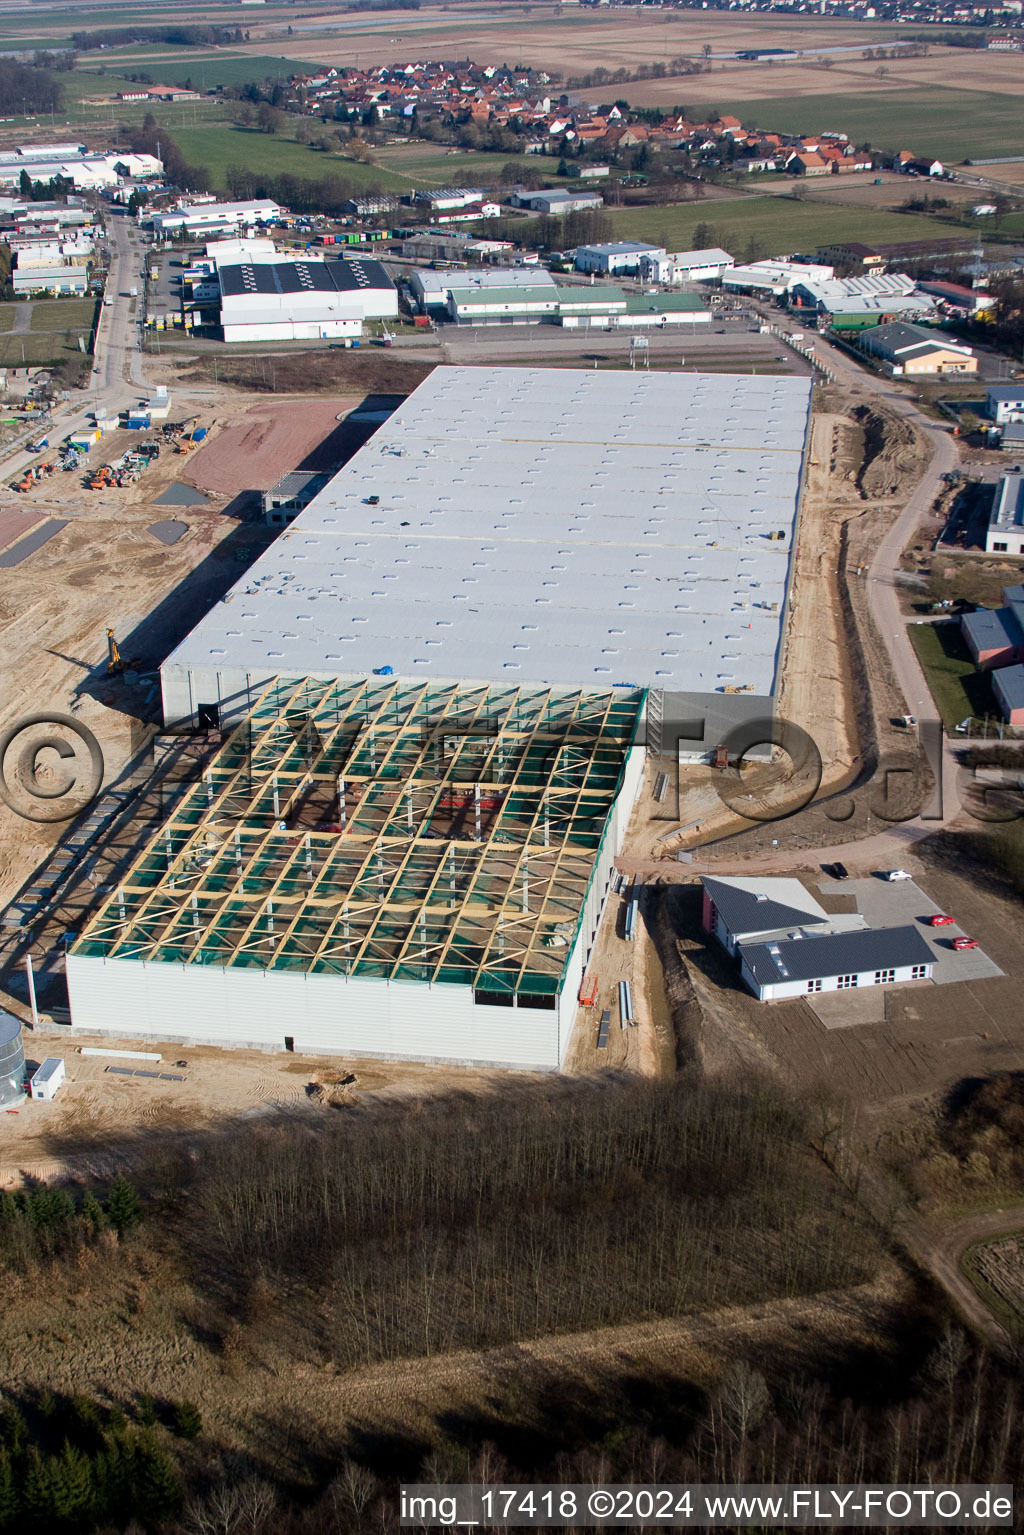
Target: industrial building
302, 300
557, 201
995, 636
61, 277
434, 689
854, 303
211, 218
601, 305
615, 256
293, 491
386, 867
449, 199
1008, 686
795, 967
686, 266
432, 291
1005, 532
563, 527
907, 350
12, 1060
774, 277
86, 171
1004, 403
789, 946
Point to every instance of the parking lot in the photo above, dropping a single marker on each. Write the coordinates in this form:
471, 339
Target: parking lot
904, 902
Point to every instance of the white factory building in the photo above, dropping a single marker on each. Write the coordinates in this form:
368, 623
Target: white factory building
1005, 533
775, 277
564, 527
557, 201
435, 683
432, 291
73, 162
617, 256
213, 218
686, 266
304, 300
61, 276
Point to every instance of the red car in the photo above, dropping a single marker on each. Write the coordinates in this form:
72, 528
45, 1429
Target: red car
940, 920
965, 943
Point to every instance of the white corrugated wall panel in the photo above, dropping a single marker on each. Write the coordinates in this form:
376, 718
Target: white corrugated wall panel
321, 1014
593, 907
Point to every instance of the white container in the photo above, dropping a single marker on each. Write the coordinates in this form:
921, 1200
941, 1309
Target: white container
48, 1078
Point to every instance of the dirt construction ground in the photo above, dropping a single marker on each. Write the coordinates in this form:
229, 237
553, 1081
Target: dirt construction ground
106, 569
266, 442
101, 1111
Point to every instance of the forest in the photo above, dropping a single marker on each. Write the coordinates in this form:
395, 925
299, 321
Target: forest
475, 1222
464, 1226
26, 88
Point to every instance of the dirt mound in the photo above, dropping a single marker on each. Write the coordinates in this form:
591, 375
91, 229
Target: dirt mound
890, 452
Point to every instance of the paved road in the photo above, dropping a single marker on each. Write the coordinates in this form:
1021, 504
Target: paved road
117, 374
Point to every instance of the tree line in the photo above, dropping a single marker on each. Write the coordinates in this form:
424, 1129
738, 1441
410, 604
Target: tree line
179, 36
74, 1464
302, 194
43, 1223
27, 88
149, 139
928, 1409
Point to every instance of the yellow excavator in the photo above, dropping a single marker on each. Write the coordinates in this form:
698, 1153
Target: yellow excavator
117, 665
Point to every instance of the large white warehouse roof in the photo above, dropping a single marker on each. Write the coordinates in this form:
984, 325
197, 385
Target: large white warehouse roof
551, 526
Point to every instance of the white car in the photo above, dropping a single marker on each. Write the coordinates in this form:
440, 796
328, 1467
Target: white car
894, 874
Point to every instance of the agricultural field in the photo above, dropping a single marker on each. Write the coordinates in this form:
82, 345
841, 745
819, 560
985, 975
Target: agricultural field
552, 38
777, 224
952, 124
205, 68
220, 147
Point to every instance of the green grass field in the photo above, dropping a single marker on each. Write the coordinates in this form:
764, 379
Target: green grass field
205, 67
217, 148
63, 314
779, 224
39, 350
6, 318
959, 689
950, 124
426, 165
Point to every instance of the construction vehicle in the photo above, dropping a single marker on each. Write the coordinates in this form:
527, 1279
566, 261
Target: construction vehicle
117, 664
101, 477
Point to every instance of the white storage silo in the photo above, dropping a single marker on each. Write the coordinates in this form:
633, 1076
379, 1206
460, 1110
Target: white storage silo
12, 1060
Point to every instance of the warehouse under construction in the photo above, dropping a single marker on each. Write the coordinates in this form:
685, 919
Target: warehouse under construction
434, 689
380, 867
